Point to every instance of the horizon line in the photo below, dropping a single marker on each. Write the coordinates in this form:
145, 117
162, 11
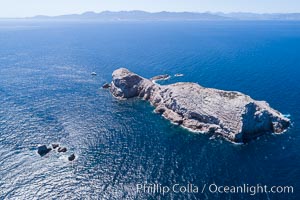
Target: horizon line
154, 12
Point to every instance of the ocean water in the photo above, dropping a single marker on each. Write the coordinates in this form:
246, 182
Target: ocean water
47, 95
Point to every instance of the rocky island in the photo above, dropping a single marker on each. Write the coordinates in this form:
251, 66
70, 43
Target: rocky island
233, 115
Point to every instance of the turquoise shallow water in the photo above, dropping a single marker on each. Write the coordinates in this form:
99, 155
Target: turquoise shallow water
48, 95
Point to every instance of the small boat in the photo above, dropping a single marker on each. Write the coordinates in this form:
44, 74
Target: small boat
178, 75
93, 73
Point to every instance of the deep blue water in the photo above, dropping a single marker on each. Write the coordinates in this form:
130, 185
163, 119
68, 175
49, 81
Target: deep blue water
47, 95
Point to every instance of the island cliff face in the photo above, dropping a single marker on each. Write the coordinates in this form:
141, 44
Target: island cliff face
232, 115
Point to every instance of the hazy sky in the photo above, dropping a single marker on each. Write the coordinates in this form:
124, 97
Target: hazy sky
25, 8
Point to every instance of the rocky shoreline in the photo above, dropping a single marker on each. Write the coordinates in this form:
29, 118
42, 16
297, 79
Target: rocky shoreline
233, 115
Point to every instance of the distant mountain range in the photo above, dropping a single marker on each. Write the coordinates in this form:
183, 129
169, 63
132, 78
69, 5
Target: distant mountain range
164, 16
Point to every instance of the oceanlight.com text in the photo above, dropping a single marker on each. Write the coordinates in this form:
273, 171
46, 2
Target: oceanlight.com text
250, 189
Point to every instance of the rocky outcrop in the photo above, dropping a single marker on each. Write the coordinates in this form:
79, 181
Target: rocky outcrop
61, 149
232, 115
43, 150
54, 145
106, 85
160, 77
71, 157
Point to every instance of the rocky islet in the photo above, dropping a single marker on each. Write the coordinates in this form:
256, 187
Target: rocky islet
233, 115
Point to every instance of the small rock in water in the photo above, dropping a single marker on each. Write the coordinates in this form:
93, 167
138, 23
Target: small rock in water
160, 77
93, 73
43, 150
106, 85
71, 157
62, 149
54, 146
